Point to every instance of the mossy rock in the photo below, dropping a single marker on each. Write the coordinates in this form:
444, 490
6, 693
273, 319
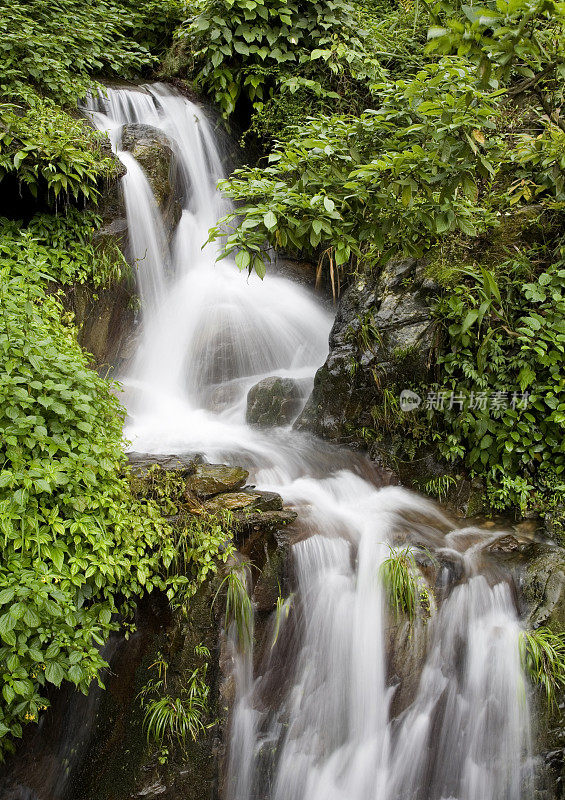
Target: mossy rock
256, 501
273, 402
153, 152
209, 480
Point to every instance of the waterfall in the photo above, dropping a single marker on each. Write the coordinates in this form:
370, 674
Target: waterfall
348, 703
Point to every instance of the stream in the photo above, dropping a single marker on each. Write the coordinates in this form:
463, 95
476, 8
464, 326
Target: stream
348, 704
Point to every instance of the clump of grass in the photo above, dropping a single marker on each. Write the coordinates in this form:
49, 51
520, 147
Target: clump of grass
281, 613
239, 610
168, 717
397, 574
543, 659
440, 486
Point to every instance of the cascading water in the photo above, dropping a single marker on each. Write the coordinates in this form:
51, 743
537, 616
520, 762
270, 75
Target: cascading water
347, 704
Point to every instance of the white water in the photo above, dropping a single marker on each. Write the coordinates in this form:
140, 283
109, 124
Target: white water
323, 717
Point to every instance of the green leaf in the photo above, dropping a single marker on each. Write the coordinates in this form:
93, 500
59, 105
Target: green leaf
243, 259
270, 220
470, 319
8, 693
54, 672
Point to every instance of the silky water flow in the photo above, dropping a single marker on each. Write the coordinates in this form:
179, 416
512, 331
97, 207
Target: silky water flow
347, 703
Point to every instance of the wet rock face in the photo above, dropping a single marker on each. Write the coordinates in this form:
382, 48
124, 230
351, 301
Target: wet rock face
543, 594
273, 401
212, 479
153, 152
382, 337
544, 590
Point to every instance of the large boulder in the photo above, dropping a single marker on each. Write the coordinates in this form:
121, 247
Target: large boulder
381, 340
153, 151
273, 401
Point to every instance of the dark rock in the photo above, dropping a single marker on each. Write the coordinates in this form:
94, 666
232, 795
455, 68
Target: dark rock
11, 791
209, 480
255, 530
104, 320
153, 151
507, 544
382, 338
270, 582
273, 401
302, 272
544, 590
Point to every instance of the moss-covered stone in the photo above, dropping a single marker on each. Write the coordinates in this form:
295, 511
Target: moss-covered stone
256, 501
273, 401
209, 480
380, 343
153, 151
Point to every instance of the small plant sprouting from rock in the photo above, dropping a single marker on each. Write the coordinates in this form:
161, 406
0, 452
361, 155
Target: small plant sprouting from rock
281, 613
397, 575
439, 486
543, 659
169, 719
239, 610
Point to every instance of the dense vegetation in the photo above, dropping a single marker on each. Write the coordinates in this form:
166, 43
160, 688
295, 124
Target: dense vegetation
459, 131
383, 128
78, 547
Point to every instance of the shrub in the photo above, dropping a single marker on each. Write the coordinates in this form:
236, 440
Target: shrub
257, 48
394, 179
505, 349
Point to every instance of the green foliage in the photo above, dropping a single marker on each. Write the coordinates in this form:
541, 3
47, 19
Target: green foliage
60, 249
239, 610
171, 719
440, 486
56, 46
201, 544
504, 38
77, 548
50, 51
506, 338
537, 166
395, 33
397, 574
49, 149
257, 48
543, 659
281, 614
395, 178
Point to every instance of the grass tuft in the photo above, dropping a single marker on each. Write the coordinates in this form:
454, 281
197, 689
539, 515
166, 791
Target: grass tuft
239, 610
397, 575
543, 660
